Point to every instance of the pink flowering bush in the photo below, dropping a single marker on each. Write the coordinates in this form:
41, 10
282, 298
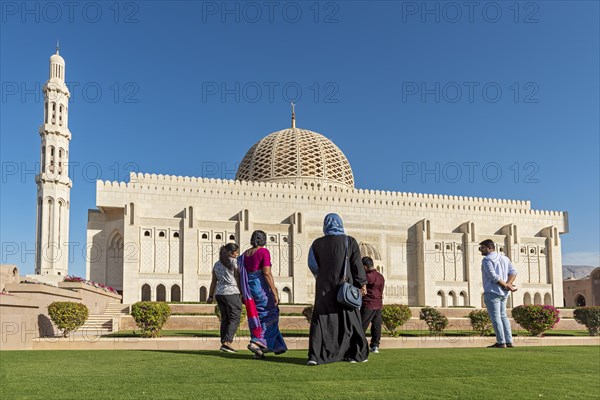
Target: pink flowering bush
71, 278
536, 319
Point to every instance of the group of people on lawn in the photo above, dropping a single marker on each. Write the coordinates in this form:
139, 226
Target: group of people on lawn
337, 332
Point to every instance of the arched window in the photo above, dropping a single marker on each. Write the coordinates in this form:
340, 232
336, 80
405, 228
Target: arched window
441, 299
43, 158
286, 296
580, 301
204, 236
203, 294
131, 213
147, 234
175, 293
218, 236
161, 293
547, 299
60, 213
161, 234
231, 237
51, 159
146, 292
452, 300
526, 299
463, 299
537, 299
175, 234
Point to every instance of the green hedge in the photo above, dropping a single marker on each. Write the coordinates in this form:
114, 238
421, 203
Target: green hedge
590, 317
435, 320
68, 316
150, 316
394, 316
480, 322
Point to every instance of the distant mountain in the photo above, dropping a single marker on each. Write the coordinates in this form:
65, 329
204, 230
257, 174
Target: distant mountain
576, 271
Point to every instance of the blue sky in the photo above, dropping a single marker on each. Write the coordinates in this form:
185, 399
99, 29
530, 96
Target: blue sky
498, 99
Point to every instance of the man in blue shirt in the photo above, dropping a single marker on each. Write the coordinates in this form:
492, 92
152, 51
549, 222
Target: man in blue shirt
498, 275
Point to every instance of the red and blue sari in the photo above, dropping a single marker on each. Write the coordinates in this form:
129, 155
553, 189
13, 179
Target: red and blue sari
263, 314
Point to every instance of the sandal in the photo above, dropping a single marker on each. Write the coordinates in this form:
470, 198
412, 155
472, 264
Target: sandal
256, 349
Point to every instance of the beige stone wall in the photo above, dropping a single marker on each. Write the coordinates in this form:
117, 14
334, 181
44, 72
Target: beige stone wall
588, 288
18, 322
428, 242
9, 273
95, 299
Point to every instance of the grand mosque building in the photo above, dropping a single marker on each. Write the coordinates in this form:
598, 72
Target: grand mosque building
157, 237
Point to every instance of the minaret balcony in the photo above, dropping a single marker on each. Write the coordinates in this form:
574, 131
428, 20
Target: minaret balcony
46, 177
55, 129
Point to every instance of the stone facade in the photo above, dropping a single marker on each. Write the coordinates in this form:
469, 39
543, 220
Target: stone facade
583, 292
165, 232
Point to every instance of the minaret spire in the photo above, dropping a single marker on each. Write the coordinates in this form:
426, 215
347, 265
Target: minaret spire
53, 182
293, 116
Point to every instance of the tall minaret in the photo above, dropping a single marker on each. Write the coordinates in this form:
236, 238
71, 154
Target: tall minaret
53, 183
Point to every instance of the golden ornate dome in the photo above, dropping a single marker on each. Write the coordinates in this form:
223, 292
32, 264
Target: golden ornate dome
297, 156
368, 250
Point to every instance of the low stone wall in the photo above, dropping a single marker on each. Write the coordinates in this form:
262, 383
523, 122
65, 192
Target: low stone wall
42, 296
450, 312
24, 312
211, 323
19, 323
95, 299
9, 273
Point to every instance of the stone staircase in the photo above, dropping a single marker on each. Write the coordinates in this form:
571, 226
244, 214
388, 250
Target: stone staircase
102, 324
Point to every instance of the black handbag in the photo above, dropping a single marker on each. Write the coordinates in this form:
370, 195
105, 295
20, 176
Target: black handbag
348, 295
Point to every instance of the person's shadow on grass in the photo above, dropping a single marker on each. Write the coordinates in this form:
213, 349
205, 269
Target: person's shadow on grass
269, 358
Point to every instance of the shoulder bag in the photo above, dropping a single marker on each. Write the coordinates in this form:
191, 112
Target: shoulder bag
348, 295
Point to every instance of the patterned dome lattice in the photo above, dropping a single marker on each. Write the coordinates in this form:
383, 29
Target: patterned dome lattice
368, 250
293, 153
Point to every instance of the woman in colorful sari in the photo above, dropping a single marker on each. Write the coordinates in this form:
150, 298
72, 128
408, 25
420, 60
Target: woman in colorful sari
260, 297
336, 332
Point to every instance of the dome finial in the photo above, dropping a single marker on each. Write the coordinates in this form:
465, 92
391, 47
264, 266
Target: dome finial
57, 46
293, 116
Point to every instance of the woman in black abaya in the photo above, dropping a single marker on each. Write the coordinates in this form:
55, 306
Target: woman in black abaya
336, 332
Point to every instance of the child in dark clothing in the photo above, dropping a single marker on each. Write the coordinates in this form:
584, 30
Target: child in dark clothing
372, 303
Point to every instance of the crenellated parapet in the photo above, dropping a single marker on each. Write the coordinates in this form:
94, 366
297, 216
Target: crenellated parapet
223, 188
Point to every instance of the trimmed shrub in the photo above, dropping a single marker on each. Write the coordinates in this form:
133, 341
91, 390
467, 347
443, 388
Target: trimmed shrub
590, 317
480, 322
242, 315
536, 319
308, 312
394, 316
150, 316
435, 320
68, 316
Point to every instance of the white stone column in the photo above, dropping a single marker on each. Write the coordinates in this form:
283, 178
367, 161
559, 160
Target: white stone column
190, 289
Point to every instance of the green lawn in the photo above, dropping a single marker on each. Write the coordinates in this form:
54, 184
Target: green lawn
519, 373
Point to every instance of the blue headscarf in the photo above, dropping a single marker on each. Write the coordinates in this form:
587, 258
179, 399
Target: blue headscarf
333, 225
